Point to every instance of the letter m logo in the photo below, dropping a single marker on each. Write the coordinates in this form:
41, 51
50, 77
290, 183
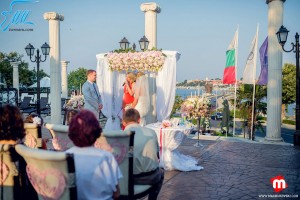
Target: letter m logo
278, 183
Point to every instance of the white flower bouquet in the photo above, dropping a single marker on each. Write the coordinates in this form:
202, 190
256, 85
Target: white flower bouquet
76, 102
195, 107
141, 61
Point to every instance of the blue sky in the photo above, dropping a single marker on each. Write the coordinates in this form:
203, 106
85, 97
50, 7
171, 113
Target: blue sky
200, 30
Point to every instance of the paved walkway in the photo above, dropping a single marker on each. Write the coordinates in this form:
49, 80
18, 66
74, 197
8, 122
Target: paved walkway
234, 169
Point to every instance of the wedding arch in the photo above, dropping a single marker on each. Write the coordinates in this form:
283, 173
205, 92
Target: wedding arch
110, 83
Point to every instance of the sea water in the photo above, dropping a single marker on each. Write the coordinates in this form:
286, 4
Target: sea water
185, 93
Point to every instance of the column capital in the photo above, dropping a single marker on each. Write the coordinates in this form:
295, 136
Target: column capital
64, 62
53, 16
15, 63
268, 1
150, 7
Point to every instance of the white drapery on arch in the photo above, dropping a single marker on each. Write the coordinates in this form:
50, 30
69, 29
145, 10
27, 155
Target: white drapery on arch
111, 89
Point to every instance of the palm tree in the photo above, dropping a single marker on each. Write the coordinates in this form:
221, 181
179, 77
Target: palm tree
244, 104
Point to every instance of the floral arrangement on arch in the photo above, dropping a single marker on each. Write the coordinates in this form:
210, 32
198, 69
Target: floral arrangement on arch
76, 102
195, 107
152, 61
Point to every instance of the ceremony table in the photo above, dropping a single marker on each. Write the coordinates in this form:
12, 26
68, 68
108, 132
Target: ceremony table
169, 140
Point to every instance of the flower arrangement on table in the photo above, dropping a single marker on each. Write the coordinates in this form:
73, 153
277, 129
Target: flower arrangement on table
76, 102
152, 61
195, 107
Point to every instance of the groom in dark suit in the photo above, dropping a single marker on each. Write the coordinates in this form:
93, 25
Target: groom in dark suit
92, 97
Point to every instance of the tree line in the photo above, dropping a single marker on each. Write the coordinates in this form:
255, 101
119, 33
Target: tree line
27, 76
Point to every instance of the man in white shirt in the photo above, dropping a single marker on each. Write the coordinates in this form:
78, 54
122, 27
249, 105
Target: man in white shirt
146, 169
92, 97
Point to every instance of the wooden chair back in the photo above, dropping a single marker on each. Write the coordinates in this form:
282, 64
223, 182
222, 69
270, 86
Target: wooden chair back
8, 174
120, 144
33, 137
60, 138
51, 173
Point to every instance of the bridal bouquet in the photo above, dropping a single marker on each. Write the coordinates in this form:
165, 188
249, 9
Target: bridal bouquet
76, 102
131, 61
195, 107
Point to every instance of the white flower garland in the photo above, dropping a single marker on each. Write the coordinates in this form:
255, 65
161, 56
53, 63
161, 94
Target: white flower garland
152, 61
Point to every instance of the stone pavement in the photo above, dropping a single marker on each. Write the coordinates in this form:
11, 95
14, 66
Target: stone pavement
234, 169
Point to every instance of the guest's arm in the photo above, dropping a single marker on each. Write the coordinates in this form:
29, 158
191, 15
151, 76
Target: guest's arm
116, 194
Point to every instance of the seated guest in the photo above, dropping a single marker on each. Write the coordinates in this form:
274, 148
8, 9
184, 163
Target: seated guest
37, 119
145, 157
34, 118
11, 125
70, 115
97, 171
12, 132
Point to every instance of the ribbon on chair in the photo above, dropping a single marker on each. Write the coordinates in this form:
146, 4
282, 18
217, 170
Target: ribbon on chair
160, 141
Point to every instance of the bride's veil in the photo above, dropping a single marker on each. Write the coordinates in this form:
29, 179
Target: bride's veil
143, 86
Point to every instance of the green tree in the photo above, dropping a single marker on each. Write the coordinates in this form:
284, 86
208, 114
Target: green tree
177, 104
26, 77
288, 87
244, 102
76, 78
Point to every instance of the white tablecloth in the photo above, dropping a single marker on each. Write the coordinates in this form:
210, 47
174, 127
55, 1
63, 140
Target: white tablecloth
169, 140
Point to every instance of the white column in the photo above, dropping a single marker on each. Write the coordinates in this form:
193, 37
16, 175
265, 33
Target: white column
64, 79
55, 68
151, 10
15, 66
274, 98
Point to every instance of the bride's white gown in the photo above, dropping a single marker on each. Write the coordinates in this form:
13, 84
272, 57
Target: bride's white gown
142, 93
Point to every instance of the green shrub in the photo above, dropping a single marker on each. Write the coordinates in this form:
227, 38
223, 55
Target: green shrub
287, 121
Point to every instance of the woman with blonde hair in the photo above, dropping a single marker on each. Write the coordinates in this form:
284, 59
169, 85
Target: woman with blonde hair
128, 96
141, 97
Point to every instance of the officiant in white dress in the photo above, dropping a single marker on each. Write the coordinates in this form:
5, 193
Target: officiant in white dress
141, 100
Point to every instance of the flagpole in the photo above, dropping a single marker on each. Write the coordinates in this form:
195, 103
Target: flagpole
254, 75
234, 108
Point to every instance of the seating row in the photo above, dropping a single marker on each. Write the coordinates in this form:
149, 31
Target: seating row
52, 173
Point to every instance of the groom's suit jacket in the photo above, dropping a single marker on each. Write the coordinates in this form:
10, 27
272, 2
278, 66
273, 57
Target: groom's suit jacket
92, 97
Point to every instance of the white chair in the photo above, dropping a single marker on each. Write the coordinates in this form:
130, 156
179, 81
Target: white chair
120, 144
8, 174
12, 176
51, 173
60, 138
33, 137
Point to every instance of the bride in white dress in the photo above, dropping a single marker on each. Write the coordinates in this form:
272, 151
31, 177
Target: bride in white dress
141, 97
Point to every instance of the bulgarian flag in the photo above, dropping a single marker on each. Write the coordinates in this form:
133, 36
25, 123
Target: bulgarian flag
229, 76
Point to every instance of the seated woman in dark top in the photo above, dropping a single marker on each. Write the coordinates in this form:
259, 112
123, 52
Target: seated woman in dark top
11, 133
